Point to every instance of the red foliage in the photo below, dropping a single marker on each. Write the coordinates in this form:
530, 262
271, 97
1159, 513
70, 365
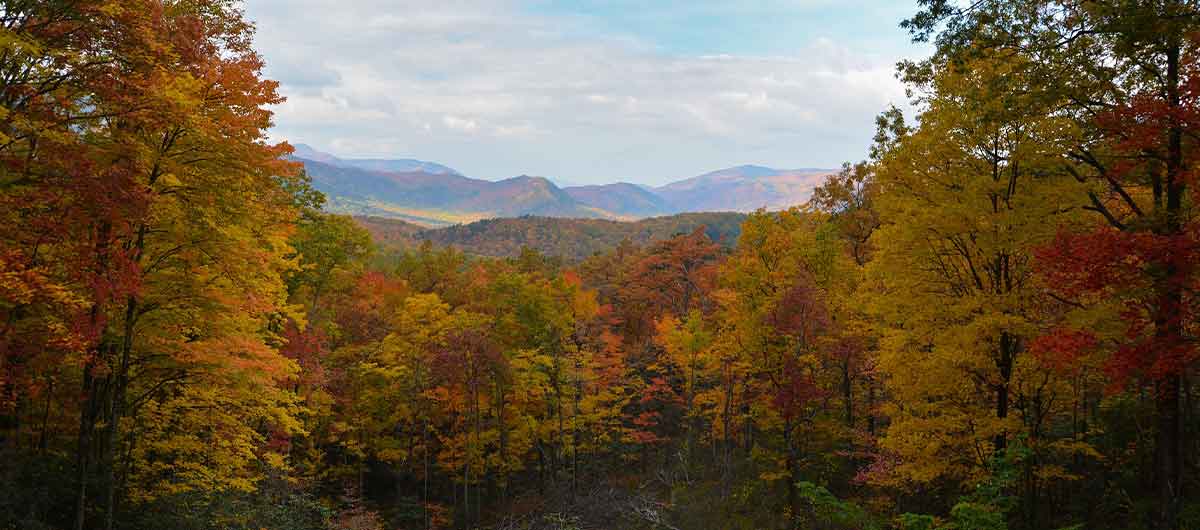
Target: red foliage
796, 391
643, 434
676, 275
801, 312
468, 355
307, 347
1138, 270
659, 390
364, 313
1145, 258
1062, 347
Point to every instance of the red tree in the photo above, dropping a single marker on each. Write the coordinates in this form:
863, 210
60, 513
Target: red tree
1143, 257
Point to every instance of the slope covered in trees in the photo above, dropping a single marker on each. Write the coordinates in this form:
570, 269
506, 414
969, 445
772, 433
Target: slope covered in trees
989, 323
570, 239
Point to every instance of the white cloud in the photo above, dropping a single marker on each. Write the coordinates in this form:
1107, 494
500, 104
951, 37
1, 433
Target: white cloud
493, 92
460, 124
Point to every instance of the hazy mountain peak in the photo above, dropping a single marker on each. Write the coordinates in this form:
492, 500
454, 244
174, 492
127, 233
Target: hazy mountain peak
750, 170
743, 188
307, 152
401, 165
529, 178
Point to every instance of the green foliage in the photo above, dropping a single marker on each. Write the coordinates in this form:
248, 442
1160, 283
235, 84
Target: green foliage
912, 521
325, 244
273, 506
821, 510
989, 505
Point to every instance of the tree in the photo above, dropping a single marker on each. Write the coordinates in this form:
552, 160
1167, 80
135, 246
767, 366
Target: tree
325, 245
675, 274
687, 346
774, 324
1124, 70
849, 197
965, 199
1140, 262
137, 132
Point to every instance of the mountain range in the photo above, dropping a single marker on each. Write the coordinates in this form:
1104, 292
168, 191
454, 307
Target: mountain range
433, 194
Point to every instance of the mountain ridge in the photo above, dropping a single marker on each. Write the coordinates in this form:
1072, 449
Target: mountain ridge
433, 194
307, 152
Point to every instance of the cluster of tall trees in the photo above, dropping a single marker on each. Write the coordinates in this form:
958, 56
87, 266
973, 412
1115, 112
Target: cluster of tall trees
989, 323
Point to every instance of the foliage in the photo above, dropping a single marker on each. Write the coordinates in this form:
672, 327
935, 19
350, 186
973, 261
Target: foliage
823, 510
989, 323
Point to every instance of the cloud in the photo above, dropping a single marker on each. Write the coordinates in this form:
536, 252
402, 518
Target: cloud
459, 124
495, 90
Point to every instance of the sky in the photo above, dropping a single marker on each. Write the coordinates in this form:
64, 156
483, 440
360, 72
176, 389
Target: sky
585, 91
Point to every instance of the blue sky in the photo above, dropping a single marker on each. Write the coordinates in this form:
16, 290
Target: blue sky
763, 27
588, 91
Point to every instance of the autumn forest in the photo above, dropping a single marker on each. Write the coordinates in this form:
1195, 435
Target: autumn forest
989, 322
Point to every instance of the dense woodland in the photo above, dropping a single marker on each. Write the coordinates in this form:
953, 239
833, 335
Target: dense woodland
570, 239
989, 323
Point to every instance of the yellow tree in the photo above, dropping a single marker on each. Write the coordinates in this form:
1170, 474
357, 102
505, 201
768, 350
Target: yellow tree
390, 416
687, 344
963, 200
848, 197
774, 322
202, 240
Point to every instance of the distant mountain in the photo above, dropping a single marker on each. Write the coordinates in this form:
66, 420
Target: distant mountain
425, 198
432, 194
622, 198
525, 195
571, 239
403, 165
743, 189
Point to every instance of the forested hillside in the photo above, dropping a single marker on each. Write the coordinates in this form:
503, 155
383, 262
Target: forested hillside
988, 323
570, 239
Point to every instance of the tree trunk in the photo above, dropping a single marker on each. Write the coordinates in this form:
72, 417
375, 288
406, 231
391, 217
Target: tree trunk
1168, 461
871, 407
502, 426
575, 430
1004, 363
727, 449
112, 433
848, 394
83, 449
792, 472
43, 436
1168, 325
425, 475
